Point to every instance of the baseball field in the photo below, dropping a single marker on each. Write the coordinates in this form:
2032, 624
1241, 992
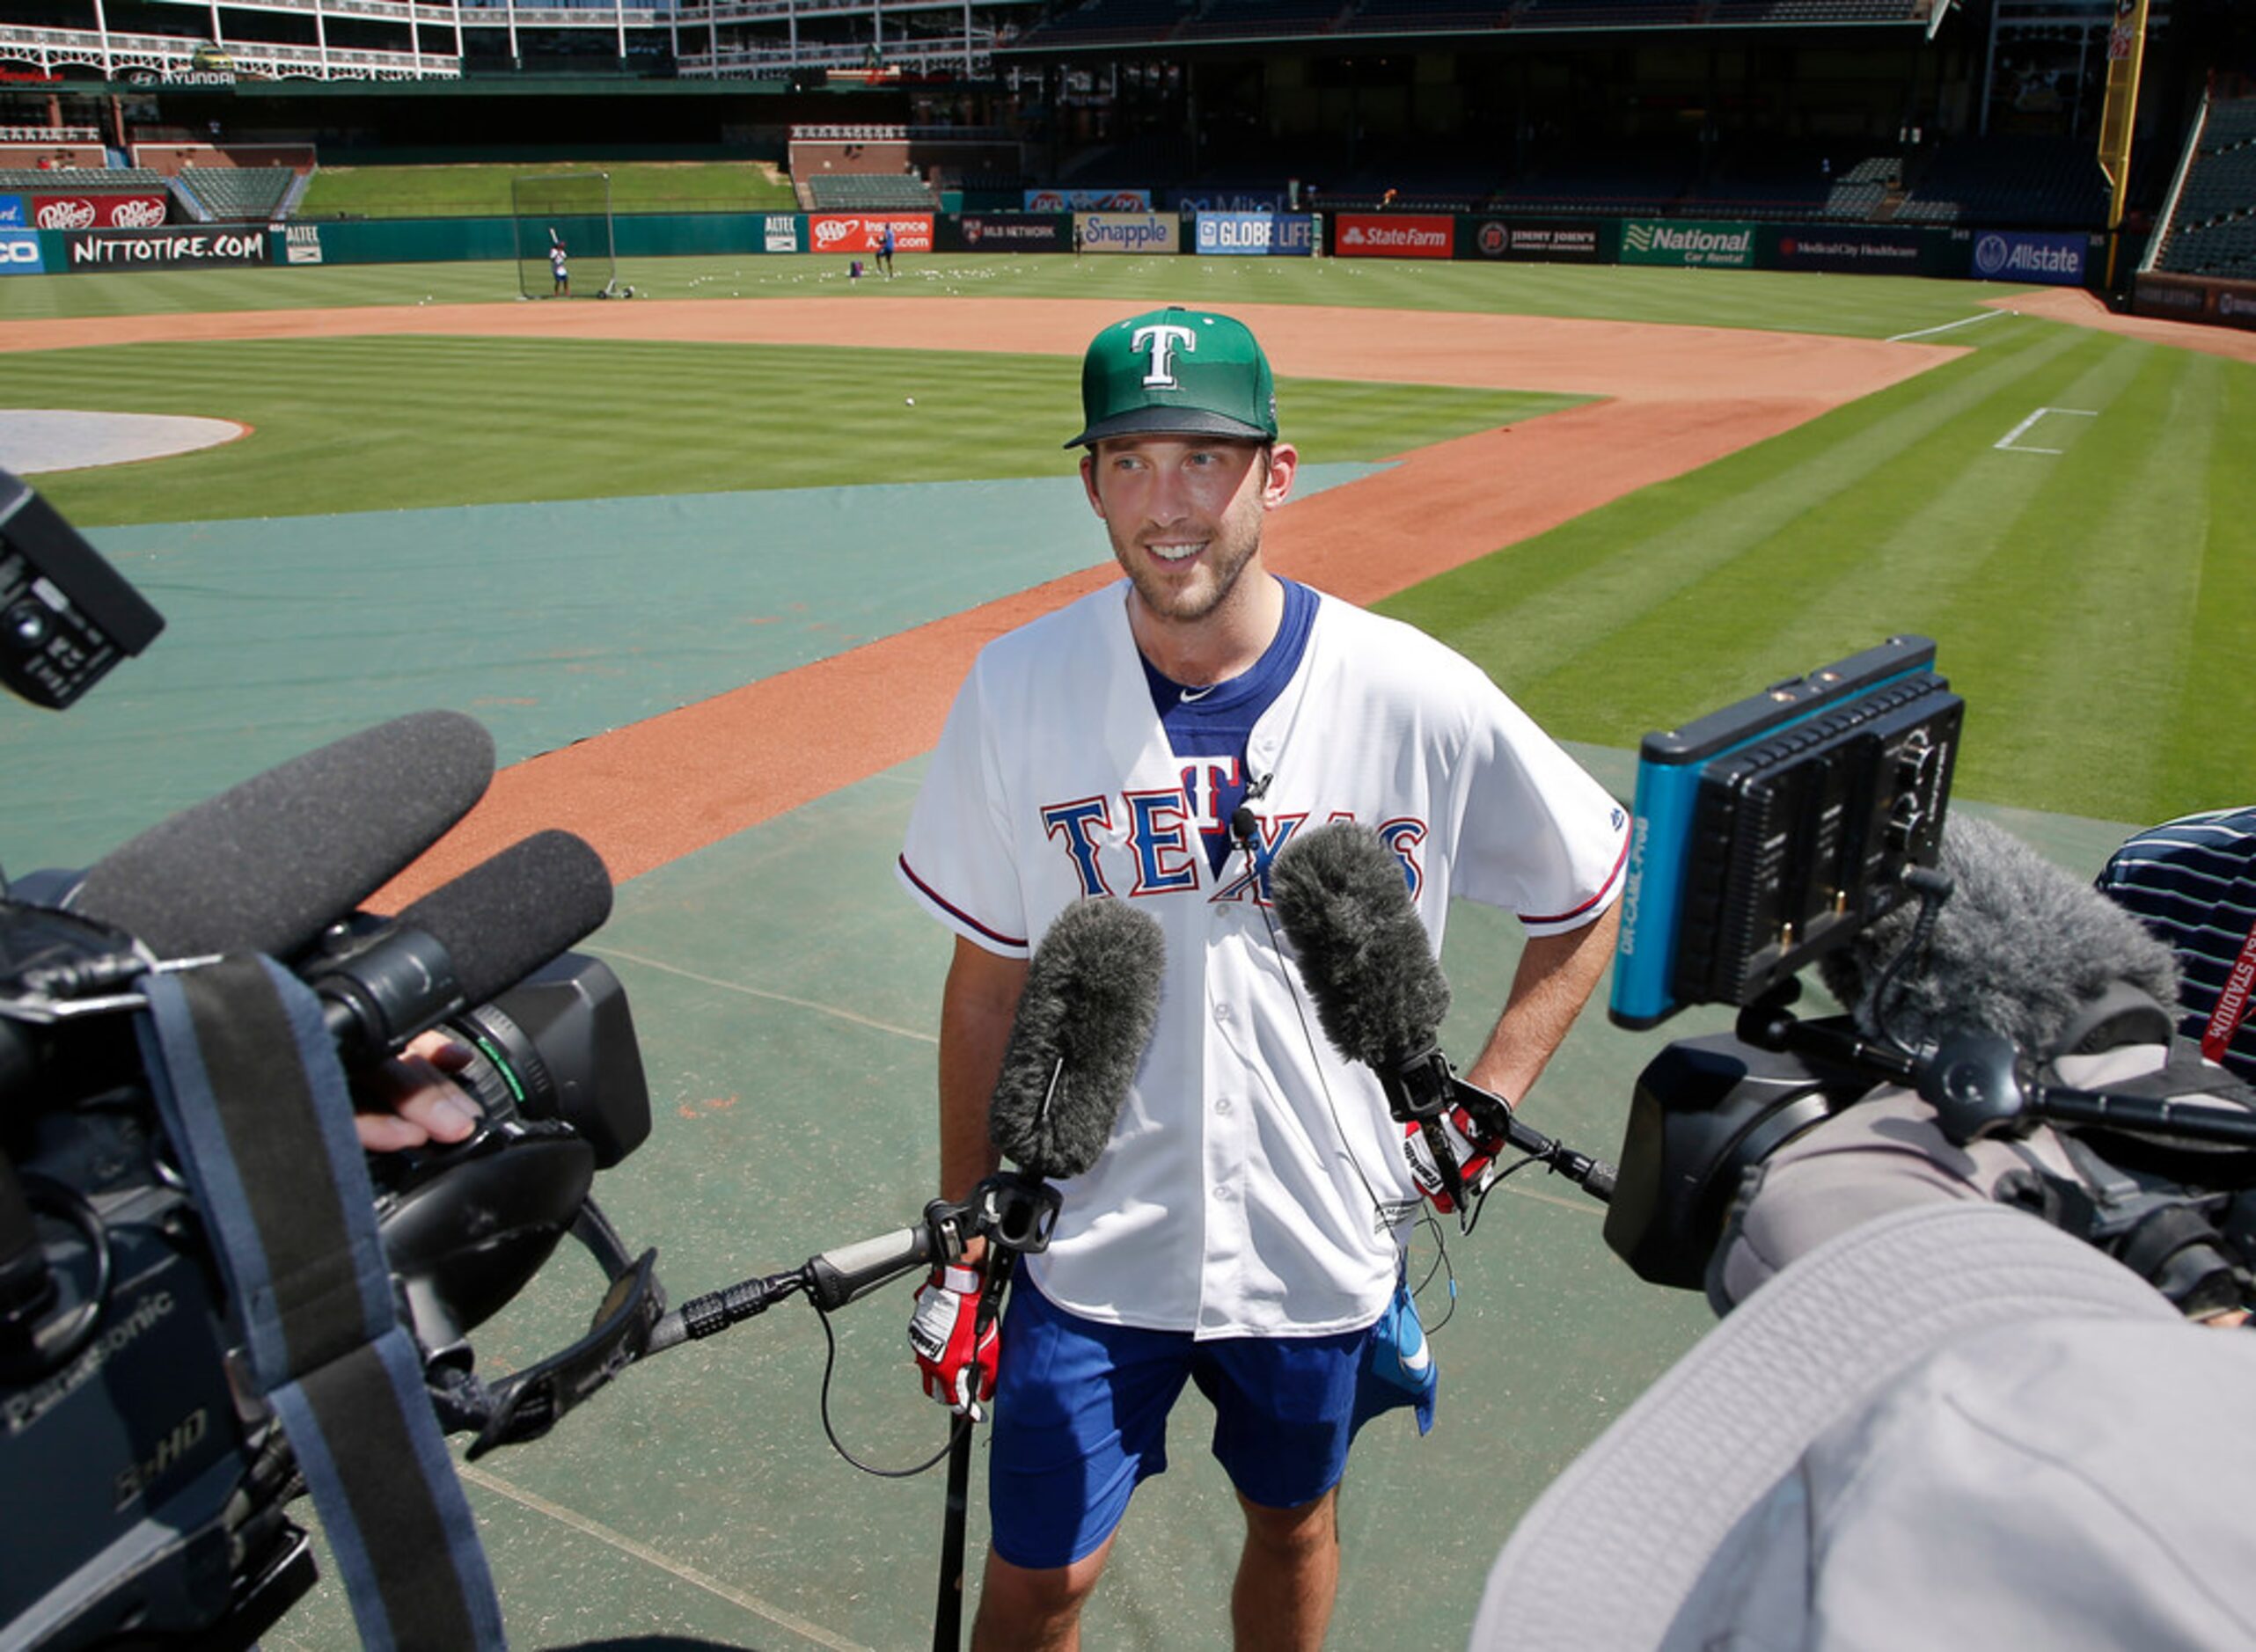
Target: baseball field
710, 561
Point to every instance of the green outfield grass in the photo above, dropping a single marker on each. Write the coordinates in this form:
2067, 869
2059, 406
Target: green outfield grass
2092, 602
1877, 306
476, 191
387, 423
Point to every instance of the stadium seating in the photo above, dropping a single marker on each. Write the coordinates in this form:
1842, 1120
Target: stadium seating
109, 180
868, 192
1098, 21
1262, 19
2016, 182
234, 194
2214, 231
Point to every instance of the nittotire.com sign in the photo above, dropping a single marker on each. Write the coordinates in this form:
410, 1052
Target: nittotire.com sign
98, 249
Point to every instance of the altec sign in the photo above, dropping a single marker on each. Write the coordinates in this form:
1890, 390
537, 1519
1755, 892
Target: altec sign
1395, 235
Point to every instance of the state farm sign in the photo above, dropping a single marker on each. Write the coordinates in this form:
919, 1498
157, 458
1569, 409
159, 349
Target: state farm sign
1395, 235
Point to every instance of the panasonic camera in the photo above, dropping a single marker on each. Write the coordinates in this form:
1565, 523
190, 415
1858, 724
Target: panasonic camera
145, 1434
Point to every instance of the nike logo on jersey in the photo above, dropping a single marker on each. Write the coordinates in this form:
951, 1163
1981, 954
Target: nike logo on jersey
1191, 696
1146, 842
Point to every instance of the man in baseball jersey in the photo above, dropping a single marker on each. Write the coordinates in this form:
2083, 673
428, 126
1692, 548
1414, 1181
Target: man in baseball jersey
1243, 1227
2192, 881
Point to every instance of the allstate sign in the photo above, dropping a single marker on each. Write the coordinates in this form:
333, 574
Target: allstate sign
1256, 235
20, 254
2005, 255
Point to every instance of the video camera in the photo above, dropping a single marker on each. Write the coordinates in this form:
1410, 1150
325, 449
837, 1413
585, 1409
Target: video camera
1779, 830
177, 1154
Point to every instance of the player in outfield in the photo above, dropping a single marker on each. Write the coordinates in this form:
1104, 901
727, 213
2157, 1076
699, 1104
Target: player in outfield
1159, 742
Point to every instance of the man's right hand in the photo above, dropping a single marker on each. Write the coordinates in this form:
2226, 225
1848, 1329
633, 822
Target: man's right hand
956, 1354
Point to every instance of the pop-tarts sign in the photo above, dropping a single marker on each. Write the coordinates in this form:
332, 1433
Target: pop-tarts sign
1256, 234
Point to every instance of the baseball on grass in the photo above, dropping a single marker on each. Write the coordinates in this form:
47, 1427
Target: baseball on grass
908, 401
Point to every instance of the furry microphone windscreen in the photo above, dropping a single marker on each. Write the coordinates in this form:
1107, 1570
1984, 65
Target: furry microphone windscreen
267, 865
1368, 962
2020, 947
1091, 996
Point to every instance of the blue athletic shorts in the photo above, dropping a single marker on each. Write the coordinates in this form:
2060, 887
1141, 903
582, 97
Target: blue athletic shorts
1080, 1416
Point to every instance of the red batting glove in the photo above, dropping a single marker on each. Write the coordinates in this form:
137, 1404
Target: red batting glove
1472, 1152
956, 1355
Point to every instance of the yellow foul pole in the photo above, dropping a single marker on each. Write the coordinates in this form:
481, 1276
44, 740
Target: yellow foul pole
2126, 50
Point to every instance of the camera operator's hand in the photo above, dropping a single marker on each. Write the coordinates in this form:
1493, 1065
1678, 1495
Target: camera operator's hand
1474, 1153
410, 1101
956, 1355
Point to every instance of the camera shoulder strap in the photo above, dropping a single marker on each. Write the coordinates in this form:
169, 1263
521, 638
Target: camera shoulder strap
253, 1099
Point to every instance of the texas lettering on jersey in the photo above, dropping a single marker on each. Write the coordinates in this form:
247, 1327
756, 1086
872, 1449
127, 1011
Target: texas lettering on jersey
1152, 841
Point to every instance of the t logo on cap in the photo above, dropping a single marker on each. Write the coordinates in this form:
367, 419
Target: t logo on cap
1161, 341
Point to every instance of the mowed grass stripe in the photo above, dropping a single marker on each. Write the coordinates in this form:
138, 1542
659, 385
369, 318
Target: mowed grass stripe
1672, 595
2207, 737
2062, 588
2075, 629
371, 424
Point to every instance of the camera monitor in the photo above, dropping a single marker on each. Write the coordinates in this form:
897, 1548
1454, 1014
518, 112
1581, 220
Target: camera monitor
1774, 829
66, 616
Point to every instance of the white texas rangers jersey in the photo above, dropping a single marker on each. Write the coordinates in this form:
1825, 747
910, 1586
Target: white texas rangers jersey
1254, 1180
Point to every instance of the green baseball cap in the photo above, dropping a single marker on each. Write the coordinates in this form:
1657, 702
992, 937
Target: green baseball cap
1176, 371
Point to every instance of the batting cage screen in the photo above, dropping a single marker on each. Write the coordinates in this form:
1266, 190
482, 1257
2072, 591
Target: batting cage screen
569, 211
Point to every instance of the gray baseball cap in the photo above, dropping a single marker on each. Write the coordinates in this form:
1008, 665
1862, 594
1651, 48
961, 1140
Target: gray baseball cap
1952, 1425
1177, 372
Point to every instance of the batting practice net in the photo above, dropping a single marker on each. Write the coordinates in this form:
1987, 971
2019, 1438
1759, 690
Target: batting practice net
571, 210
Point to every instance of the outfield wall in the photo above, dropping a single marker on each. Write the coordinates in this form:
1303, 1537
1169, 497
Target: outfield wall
2021, 257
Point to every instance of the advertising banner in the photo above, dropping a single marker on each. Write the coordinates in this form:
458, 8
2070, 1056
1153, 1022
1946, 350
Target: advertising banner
12, 213
1008, 232
1395, 235
1229, 201
1521, 241
2206, 298
91, 250
1254, 234
20, 254
861, 231
1129, 231
1846, 250
98, 212
1688, 245
779, 232
300, 242
1088, 201
2022, 255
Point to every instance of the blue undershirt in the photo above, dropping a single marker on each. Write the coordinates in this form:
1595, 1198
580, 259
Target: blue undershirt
1208, 728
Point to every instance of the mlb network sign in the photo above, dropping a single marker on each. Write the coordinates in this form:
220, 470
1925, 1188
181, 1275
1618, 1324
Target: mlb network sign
1688, 245
1256, 235
2004, 256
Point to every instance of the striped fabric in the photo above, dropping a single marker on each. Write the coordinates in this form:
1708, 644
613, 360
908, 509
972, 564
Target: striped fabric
2194, 881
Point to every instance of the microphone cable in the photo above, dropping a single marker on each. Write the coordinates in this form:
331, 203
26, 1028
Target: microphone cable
958, 1422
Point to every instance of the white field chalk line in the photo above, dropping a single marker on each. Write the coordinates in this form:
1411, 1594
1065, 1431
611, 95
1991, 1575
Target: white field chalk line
650, 1556
1964, 321
2004, 444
